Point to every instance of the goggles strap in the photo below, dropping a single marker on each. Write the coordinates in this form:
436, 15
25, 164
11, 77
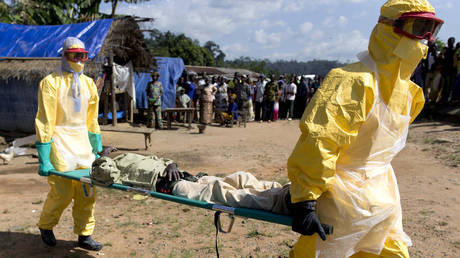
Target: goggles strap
385, 20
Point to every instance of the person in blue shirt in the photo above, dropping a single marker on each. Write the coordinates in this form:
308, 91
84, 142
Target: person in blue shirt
232, 108
190, 87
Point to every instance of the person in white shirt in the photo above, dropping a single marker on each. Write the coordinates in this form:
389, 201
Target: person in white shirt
291, 90
259, 97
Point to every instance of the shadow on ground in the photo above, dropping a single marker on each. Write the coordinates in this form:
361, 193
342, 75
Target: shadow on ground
20, 244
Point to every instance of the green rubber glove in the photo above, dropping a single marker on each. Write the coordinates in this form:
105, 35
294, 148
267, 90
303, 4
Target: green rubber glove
95, 141
44, 149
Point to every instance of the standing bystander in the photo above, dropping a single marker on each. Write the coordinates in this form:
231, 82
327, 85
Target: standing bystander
154, 93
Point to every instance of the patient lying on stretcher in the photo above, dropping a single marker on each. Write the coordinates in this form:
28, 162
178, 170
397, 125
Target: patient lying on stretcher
239, 189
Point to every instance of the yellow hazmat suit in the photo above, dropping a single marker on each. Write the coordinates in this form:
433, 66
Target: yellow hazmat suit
67, 113
356, 123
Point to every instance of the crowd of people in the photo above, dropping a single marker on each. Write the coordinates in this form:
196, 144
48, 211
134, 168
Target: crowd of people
439, 74
269, 98
264, 99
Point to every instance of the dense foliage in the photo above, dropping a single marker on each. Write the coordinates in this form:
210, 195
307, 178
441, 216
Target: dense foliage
319, 67
178, 45
45, 12
171, 45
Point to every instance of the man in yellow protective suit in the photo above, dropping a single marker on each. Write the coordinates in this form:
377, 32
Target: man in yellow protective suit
68, 138
340, 169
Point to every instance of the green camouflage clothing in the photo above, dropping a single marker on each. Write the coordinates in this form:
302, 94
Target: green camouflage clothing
271, 89
129, 169
154, 109
154, 93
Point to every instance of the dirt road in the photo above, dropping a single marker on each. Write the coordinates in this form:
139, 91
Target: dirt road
427, 171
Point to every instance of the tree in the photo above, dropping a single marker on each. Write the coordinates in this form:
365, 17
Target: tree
5, 12
41, 12
440, 45
210, 54
116, 2
172, 45
216, 52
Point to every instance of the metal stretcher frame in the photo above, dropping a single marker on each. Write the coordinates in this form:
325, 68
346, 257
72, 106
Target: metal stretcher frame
82, 175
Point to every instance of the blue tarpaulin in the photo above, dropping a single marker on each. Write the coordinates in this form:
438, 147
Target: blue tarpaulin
46, 41
120, 114
140, 83
170, 70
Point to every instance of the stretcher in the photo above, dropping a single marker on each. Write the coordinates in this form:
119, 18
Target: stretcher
82, 175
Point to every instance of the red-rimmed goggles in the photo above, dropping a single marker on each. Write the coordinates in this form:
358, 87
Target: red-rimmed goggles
416, 25
76, 54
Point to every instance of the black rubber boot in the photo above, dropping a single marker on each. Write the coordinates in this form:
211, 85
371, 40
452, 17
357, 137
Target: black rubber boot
88, 243
48, 237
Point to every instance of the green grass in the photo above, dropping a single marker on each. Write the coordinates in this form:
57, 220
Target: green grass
172, 254
253, 233
256, 233
187, 254
126, 224
205, 226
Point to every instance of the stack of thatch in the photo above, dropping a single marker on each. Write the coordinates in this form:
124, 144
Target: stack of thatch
127, 43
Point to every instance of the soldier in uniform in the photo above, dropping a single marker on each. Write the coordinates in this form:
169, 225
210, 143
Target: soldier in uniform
154, 93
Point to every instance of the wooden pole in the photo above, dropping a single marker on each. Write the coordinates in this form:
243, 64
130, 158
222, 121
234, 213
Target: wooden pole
131, 110
112, 87
126, 105
105, 100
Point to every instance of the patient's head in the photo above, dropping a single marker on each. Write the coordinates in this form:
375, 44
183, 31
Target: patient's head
104, 171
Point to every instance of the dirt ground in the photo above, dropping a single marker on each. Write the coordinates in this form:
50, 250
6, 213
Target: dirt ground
427, 171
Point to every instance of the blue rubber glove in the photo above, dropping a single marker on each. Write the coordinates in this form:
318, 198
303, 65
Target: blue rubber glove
95, 141
44, 149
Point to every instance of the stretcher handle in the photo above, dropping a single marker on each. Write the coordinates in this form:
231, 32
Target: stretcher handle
218, 224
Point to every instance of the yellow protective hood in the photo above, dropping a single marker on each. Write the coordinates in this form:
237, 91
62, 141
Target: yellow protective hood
396, 56
395, 8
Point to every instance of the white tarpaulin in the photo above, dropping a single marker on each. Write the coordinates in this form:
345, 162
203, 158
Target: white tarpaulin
123, 79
